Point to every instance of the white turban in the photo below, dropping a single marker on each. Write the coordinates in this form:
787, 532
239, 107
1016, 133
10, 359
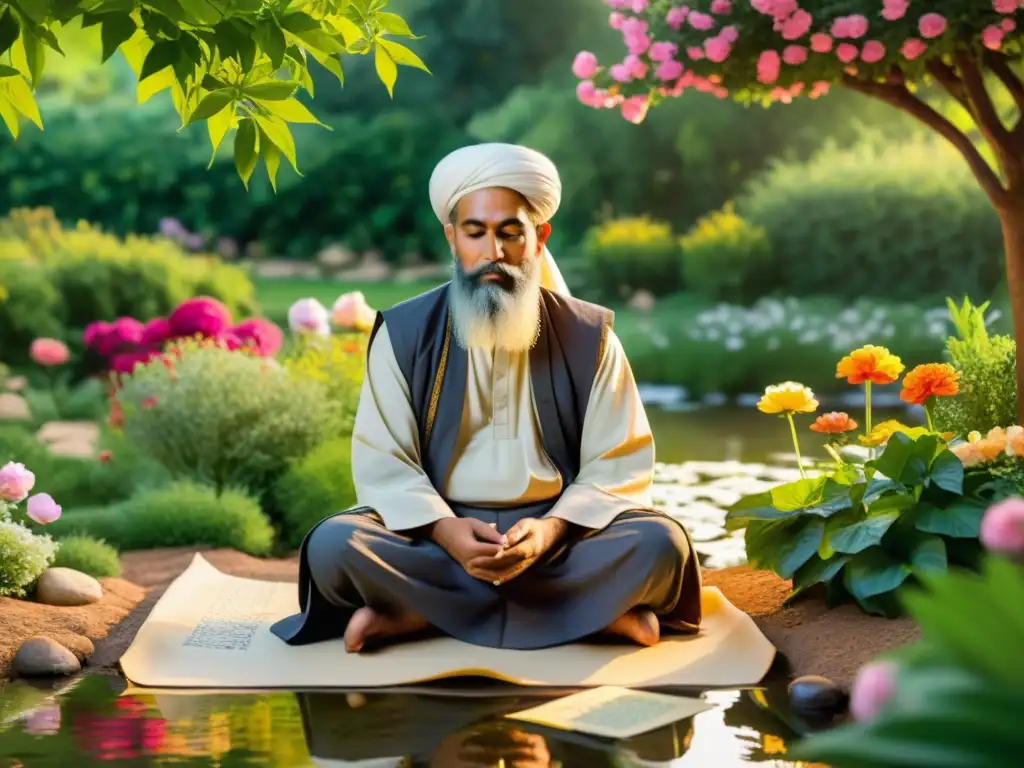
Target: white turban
483, 166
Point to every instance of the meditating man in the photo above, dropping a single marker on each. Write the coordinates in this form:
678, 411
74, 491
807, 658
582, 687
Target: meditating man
501, 454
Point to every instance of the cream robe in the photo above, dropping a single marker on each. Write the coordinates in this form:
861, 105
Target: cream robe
499, 458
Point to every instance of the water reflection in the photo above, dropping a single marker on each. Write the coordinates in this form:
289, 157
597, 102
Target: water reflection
95, 722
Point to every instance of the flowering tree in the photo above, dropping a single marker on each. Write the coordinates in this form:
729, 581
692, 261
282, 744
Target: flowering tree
222, 60
778, 50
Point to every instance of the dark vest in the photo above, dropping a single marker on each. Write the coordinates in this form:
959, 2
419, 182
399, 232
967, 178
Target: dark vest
563, 364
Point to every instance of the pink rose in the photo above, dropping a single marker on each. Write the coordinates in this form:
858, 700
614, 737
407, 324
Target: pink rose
821, 43
794, 55
634, 26
587, 94
637, 44
701, 21
895, 10
797, 25
125, 332
721, 7
620, 73
1008, 25
639, 6
872, 52
309, 315
200, 316
1005, 6
676, 16
846, 52
1002, 527
663, 51
932, 25
730, 34
637, 67
669, 70
992, 37
694, 52
819, 89
94, 333
156, 333
634, 109
584, 66
48, 352
619, 3
768, 66
43, 509
852, 27
15, 482
616, 20
260, 334
717, 49
873, 688
912, 48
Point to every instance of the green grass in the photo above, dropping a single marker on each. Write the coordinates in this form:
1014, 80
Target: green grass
276, 295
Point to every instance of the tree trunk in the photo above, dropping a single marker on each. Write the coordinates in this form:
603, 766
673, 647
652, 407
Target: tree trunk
1012, 218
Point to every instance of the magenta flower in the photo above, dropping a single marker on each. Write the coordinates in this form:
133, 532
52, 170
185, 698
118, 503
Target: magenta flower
669, 70
156, 333
200, 316
124, 332
15, 482
125, 362
1002, 527
663, 51
260, 334
43, 509
873, 688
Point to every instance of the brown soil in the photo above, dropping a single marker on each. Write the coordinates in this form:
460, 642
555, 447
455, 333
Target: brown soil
811, 638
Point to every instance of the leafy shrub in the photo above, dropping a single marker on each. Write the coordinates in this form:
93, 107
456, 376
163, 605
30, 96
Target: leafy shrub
725, 258
224, 418
337, 362
314, 487
30, 309
23, 557
628, 255
181, 514
88, 555
897, 222
988, 375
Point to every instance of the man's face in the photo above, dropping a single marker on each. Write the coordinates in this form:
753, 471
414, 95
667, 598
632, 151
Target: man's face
494, 239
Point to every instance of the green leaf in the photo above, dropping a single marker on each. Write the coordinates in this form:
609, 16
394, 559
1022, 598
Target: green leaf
858, 536
218, 126
800, 494
387, 71
929, 556
394, 24
246, 155
874, 572
783, 546
348, 29
331, 63
159, 27
212, 104
310, 32
34, 55
164, 54
292, 111
947, 472
799, 546
960, 520
202, 11
171, 9
271, 40
277, 130
878, 487
271, 158
272, 90
6, 71
817, 570
117, 27
9, 115
21, 98
402, 55
36, 10
9, 31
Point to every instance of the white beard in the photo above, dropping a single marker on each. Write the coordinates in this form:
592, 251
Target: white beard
488, 316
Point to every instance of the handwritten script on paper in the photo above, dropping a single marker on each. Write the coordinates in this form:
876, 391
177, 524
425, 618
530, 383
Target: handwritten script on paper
231, 621
613, 712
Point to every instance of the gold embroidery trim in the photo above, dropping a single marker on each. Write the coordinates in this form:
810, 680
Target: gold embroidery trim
435, 392
605, 327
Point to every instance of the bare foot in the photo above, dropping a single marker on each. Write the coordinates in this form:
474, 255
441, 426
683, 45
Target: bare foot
367, 624
639, 625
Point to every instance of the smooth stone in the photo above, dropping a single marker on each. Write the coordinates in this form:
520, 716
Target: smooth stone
14, 407
813, 693
67, 587
42, 657
15, 383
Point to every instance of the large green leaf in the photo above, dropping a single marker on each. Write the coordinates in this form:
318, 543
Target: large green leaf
401, 54
212, 104
9, 30
387, 70
271, 90
277, 130
929, 555
817, 570
117, 27
907, 459
394, 24
246, 154
783, 546
271, 40
947, 472
873, 572
961, 519
162, 55
799, 494
867, 532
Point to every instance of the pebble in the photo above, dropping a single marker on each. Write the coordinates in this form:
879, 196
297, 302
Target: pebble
42, 657
13, 407
66, 586
816, 694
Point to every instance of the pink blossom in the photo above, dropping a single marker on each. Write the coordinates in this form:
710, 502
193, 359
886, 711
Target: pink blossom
634, 109
730, 34
93, 334
873, 52
43, 509
587, 93
717, 49
637, 67
846, 52
821, 43
125, 362
634, 26
768, 65
663, 51
15, 482
1002, 527
797, 25
156, 333
262, 335
619, 3
1005, 6
895, 10
620, 73
639, 6
124, 332
721, 7
794, 55
48, 352
913, 48
852, 27
669, 70
700, 20
819, 88
720, 93
229, 340
695, 52
992, 37
637, 44
873, 688
932, 25
676, 16
200, 316
584, 66
778, 9
616, 20
1008, 25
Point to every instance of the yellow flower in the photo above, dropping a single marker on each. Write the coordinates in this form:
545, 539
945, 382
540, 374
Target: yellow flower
881, 433
788, 397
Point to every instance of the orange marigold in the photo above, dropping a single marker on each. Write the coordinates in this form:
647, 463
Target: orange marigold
835, 423
870, 363
930, 380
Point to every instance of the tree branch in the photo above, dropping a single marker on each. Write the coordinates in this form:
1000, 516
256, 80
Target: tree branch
984, 110
948, 79
899, 97
1000, 67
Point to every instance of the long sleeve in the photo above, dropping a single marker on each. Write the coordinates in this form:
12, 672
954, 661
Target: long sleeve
617, 451
386, 466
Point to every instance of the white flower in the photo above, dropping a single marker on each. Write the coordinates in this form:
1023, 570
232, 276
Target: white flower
309, 316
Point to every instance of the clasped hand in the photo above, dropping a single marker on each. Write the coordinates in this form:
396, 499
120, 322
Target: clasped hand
491, 557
